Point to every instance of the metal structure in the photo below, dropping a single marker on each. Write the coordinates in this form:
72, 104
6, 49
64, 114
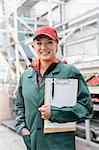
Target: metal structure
16, 31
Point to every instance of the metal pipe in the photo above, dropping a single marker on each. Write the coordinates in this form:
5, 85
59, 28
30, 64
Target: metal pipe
50, 12
16, 47
8, 40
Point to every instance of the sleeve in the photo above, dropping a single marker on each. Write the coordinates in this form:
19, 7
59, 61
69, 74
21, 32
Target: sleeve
19, 108
84, 107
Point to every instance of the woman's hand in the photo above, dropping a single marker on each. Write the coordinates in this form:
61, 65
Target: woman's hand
25, 132
45, 111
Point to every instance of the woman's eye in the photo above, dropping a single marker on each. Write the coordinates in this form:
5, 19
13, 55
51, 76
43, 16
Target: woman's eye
38, 43
50, 42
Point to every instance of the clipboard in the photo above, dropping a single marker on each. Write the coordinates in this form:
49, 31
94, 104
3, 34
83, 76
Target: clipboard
60, 93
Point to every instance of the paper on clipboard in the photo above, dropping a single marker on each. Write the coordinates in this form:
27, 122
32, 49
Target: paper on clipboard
65, 94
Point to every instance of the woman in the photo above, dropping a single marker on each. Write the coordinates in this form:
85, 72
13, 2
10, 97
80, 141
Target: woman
30, 108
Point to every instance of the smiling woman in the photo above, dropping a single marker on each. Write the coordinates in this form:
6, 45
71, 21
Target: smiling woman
45, 45
30, 108
46, 48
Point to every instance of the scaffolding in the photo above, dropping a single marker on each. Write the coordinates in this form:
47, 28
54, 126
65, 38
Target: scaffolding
16, 29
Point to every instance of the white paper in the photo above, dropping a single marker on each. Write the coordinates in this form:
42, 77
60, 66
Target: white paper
49, 124
65, 92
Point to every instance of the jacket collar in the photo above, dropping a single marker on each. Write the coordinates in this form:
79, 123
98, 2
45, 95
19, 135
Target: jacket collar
36, 63
57, 69
32, 71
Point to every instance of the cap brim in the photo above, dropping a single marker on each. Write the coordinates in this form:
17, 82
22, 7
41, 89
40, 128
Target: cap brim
44, 34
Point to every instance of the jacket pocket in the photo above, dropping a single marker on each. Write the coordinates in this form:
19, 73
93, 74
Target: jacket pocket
27, 141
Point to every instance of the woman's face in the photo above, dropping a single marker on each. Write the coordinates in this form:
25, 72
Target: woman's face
45, 48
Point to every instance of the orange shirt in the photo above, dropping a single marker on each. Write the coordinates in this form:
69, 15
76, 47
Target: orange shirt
36, 63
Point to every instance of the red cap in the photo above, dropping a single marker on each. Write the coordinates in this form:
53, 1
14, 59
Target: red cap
46, 30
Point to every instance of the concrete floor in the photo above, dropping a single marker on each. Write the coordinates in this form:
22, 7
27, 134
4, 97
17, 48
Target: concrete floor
10, 140
81, 145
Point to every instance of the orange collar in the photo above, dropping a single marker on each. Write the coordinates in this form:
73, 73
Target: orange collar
36, 63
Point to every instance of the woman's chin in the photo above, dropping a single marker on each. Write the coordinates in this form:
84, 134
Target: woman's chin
45, 58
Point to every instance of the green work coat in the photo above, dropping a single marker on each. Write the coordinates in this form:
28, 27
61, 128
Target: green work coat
30, 97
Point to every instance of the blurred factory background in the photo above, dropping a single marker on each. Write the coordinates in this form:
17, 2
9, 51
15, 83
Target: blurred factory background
78, 24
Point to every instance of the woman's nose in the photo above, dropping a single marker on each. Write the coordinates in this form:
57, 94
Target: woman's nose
43, 45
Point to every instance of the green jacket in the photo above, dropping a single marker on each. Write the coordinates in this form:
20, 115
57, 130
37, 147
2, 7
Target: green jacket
30, 97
